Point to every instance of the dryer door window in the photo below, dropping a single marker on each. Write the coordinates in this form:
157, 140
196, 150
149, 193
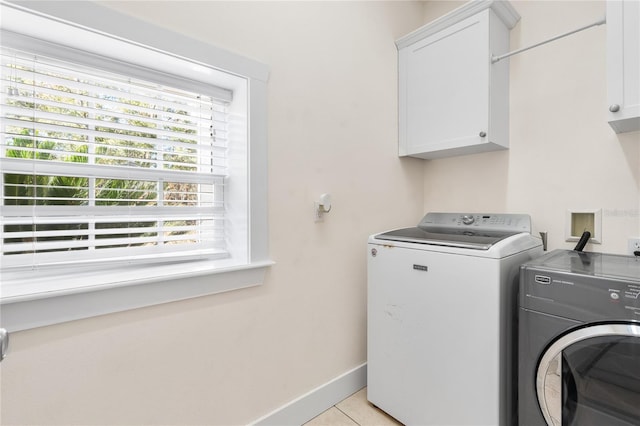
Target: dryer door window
591, 376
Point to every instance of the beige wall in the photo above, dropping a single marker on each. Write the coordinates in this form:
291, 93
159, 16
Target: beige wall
231, 358
563, 154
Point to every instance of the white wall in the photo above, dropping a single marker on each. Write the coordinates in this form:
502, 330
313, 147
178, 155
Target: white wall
563, 154
231, 358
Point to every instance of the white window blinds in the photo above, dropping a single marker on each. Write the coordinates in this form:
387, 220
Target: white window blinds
99, 166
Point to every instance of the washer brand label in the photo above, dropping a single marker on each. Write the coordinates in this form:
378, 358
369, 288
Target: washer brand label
542, 279
420, 268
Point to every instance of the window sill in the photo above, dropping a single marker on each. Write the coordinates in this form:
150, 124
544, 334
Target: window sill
115, 291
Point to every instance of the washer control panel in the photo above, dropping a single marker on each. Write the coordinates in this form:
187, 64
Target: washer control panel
582, 285
486, 221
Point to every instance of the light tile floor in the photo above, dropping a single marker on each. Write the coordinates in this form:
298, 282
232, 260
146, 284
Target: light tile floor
353, 411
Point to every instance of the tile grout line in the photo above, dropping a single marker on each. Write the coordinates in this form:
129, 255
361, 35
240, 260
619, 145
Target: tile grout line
351, 418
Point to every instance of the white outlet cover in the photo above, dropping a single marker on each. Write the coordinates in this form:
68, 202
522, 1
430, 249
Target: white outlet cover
633, 245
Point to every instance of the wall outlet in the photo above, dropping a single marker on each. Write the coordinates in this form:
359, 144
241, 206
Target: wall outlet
634, 245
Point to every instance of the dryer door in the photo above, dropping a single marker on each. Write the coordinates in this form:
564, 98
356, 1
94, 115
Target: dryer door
591, 376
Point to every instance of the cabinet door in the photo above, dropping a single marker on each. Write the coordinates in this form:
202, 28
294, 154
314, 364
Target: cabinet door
623, 61
444, 90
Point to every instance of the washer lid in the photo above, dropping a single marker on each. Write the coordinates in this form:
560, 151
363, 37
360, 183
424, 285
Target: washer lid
472, 239
473, 231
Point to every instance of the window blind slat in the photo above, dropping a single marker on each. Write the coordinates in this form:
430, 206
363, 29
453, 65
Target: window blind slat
211, 230
110, 213
210, 174
70, 115
214, 111
108, 100
79, 152
103, 243
77, 134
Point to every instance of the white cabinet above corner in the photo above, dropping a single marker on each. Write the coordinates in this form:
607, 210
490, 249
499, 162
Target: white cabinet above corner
623, 65
452, 99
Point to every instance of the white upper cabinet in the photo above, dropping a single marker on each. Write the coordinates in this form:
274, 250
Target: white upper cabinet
452, 99
623, 65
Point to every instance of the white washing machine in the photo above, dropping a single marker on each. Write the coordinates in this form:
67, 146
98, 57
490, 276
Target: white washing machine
442, 305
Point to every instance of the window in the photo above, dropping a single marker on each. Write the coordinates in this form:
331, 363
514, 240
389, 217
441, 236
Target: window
124, 159
100, 166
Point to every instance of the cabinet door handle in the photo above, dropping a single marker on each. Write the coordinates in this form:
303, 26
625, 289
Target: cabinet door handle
483, 134
614, 108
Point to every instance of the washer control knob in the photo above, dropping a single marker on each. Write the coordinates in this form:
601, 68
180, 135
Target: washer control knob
467, 219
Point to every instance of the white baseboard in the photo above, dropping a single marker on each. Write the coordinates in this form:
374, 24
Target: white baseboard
320, 399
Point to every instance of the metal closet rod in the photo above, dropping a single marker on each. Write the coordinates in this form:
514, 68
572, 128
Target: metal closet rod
495, 59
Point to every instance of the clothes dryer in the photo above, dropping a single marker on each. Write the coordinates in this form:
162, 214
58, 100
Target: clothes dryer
441, 318
579, 340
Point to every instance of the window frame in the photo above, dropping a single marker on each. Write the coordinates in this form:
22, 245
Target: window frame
78, 24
